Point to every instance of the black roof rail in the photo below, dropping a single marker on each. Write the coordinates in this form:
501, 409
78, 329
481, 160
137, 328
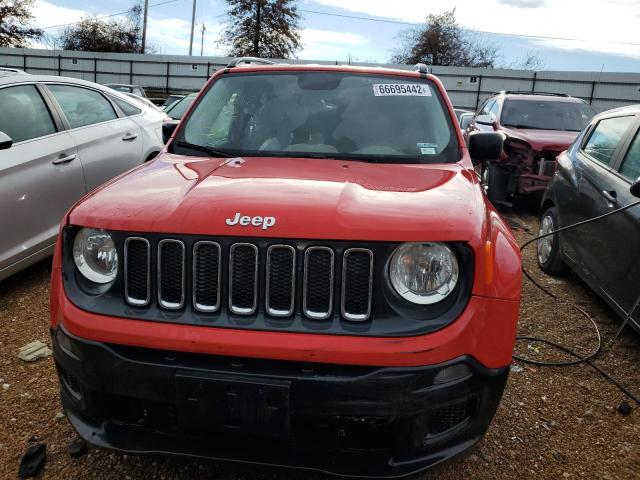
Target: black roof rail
236, 62
422, 68
528, 92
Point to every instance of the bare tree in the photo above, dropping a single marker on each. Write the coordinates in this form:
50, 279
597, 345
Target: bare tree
531, 61
441, 41
115, 34
262, 28
16, 20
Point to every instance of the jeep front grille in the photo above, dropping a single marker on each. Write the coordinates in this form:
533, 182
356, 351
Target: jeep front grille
248, 278
171, 266
317, 296
357, 276
137, 271
281, 280
207, 262
243, 278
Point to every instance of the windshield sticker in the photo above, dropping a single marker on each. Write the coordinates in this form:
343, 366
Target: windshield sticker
427, 145
428, 151
401, 90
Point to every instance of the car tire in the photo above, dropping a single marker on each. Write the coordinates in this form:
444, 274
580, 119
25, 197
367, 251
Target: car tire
494, 183
548, 251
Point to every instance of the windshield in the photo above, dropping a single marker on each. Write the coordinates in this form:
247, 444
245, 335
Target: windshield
546, 114
322, 115
177, 109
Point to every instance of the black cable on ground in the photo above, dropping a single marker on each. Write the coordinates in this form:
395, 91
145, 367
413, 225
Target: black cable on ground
587, 359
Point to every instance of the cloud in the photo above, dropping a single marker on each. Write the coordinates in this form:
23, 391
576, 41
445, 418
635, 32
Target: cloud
49, 15
524, 3
329, 45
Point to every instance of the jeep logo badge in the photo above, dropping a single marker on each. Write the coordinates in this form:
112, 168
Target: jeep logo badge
264, 222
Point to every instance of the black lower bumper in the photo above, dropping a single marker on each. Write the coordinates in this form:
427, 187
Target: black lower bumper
343, 420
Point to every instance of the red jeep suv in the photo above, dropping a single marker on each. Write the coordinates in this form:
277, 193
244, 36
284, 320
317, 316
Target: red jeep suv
537, 128
309, 276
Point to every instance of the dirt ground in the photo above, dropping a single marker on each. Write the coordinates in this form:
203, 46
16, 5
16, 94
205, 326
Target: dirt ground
552, 422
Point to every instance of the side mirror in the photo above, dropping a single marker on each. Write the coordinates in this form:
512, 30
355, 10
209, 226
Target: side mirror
168, 128
465, 120
5, 141
484, 146
485, 119
635, 188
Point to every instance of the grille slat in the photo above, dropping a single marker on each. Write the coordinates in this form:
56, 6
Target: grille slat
171, 264
317, 297
357, 284
243, 278
137, 271
281, 280
207, 269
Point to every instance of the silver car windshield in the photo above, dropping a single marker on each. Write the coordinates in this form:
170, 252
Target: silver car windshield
322, 114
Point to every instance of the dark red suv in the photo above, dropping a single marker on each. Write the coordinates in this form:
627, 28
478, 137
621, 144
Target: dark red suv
537, 128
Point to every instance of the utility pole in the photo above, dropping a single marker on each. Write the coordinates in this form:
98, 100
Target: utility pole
144, 25
193, 22
256, 37
203, 28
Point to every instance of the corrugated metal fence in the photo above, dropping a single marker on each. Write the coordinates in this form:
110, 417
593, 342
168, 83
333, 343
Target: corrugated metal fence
467, 87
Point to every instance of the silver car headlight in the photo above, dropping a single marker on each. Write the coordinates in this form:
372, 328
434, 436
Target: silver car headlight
424, 273
95, 255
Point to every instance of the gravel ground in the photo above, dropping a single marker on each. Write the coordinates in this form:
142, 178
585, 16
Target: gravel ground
552, 422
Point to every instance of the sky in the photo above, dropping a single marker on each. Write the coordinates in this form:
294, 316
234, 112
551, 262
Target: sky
588, 35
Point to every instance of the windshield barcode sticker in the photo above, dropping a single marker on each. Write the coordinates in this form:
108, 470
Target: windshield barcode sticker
401, 89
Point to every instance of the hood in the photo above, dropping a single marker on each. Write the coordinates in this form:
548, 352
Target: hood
307, 198
555, 140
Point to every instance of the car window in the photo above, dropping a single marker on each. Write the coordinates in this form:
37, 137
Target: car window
23, 113
630, 168
82, 106
605, 137
486, 108
178, 109
328, 115
494, 109
138, 91
126, 107
546, 115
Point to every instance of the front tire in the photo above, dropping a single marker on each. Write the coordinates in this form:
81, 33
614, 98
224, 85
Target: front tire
548, 248
494, 183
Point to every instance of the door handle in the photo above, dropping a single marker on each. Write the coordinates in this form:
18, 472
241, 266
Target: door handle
63, 158
129, 137
611, 196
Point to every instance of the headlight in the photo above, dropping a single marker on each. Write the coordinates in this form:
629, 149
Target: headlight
423, 273
95, 255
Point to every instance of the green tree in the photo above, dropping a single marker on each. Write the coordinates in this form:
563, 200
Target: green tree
16, 20
262, 28
441, 41
121, 35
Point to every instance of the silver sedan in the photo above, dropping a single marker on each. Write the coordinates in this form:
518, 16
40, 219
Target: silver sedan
59, 139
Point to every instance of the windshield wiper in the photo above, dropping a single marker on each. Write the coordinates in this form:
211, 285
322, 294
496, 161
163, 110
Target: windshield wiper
212, 152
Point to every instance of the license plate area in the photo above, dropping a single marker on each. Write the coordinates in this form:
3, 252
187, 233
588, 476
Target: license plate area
233, 403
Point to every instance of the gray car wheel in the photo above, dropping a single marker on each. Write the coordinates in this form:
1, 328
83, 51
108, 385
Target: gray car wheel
548, 248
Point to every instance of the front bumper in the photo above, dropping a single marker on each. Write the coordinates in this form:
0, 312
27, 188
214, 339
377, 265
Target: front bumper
344, 420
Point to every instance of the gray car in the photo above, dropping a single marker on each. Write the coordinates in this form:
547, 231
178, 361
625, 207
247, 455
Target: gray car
59, 139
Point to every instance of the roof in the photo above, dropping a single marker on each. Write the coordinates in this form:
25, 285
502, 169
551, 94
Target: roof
9, 71
632, 109
544, 96
21, 77
120, 85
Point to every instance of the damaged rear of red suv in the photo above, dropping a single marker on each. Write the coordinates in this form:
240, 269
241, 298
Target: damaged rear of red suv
309, 276
537, 127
